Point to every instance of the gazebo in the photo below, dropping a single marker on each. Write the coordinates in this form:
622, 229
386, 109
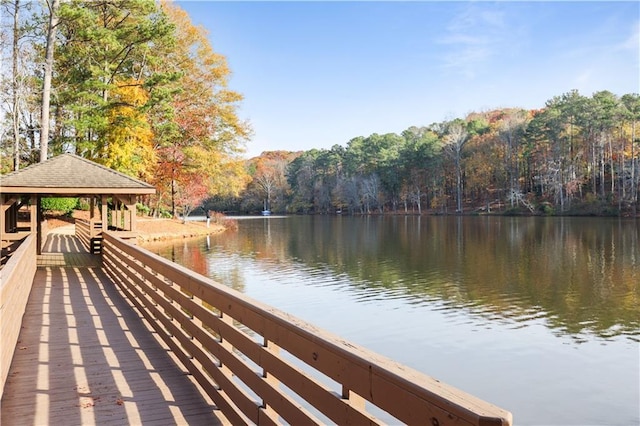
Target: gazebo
68, 175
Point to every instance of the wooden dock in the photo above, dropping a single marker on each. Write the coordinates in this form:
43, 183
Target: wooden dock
84, 355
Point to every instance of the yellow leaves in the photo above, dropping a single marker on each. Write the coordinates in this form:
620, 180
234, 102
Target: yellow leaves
205, 75
128, 144
224, 174
196, 51
131, 92
233, 179
229, 96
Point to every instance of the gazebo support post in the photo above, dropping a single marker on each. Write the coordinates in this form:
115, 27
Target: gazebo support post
39, 219
104, 213
132, 211
125, 219
33, 214
116, 219
130, 214
7, 214
92, 207
13, 217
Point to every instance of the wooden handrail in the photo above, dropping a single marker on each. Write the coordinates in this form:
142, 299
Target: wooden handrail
89, 232
261, 365
16, 279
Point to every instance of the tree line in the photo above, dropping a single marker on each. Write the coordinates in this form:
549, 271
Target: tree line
130, 84
576, 155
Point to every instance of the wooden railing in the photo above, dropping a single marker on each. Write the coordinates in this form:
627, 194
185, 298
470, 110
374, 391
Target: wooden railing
263, 366
16, 278
90, 234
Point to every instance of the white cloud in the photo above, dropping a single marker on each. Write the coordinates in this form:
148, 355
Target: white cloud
633, 42
473, 38
611, 64
465, 59
465, 39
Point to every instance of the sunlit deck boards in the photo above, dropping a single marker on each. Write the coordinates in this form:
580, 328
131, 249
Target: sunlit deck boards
63, 248
85, 357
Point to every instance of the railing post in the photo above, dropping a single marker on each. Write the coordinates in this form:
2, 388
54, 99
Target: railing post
354, 399
170, 301
270, 378
227, 346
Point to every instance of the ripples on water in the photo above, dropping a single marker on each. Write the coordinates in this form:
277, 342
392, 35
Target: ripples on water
409, 290
539, 317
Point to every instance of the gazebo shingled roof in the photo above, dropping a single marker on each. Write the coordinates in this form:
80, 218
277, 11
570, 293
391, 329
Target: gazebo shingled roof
68, 174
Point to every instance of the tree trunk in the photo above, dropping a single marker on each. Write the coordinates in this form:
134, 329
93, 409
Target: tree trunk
634, 188
594, 168
173, 198
601, 150
611, 165
16, 107
458, 185
46, 84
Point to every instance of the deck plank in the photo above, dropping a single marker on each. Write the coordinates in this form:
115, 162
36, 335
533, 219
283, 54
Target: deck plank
85, 356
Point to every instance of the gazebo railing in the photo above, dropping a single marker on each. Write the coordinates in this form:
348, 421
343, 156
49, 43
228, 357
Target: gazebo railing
89, 232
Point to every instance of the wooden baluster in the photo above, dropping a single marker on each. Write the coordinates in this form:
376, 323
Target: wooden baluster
270, 378
355, 400
226, 346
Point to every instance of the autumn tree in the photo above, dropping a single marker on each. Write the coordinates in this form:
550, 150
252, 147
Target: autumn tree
511, 132
269, 187
190, 194
205, 135
631, 115
455, 138
102, 47
416, 158
127, 143
300, 177
485, 176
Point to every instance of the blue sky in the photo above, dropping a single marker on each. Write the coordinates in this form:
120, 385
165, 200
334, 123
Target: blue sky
316, 74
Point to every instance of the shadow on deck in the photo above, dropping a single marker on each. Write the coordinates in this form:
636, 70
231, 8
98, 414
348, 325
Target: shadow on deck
84, 356
63, 248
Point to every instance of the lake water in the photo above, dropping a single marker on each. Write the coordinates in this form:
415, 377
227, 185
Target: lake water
540, 316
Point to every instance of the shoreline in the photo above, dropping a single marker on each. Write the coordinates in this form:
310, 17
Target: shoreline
148, 229
152, 230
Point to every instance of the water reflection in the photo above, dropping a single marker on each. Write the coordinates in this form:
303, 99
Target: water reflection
537, 315
580, 275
